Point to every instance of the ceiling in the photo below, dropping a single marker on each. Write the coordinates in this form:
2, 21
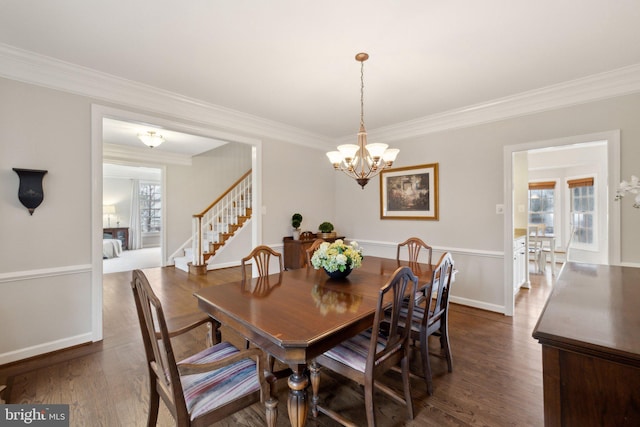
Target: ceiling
126, 133
292, 61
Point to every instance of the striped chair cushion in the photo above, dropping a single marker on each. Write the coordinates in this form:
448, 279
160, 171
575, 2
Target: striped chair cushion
418, 313
353, 352
208, 391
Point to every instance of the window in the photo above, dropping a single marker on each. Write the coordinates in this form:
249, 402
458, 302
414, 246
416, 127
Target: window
541, 204
150, 207
583, 210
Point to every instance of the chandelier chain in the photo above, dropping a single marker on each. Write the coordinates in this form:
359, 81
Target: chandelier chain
362, 93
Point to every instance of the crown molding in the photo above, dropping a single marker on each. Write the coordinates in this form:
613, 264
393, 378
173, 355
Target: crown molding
29, 67
125, 153
619, 82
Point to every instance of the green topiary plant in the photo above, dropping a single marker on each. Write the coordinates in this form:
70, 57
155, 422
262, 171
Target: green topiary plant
296, 220
326, 227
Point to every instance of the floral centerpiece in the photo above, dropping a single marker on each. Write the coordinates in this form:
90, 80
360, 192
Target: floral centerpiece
337, 257
633, 187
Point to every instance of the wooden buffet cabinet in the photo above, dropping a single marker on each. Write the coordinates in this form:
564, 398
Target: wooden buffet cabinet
590, 336
295, 251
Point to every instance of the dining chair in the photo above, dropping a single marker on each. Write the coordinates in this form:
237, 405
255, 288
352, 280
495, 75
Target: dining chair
261, 258
414, 246
311, 249
366, 356
432, 318
205, 387
535, 247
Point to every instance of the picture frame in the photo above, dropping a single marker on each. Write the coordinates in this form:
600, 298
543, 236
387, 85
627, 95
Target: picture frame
409, 192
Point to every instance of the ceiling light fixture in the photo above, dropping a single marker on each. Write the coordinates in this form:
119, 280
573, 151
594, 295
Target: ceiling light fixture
362, 161
150, 139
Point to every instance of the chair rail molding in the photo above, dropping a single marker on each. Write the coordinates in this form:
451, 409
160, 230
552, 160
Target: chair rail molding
44, 273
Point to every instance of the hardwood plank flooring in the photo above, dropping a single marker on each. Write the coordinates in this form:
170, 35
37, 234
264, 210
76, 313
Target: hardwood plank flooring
496, 379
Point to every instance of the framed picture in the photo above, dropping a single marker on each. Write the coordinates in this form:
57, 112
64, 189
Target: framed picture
409, 193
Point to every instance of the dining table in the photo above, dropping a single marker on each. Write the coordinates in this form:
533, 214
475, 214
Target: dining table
296, 315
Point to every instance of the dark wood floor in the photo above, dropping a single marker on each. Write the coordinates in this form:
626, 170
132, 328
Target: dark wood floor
497, 377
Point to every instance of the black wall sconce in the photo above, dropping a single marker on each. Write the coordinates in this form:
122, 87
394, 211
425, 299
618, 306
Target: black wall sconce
30, 191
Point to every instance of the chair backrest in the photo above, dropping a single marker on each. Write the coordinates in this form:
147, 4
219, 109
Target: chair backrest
572, 233
534, 231
261, 257
414, 246
441, 281
402, 283
312, 249
157, 346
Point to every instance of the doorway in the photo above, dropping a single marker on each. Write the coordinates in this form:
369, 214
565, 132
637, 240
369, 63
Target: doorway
133, 196
514, 190
101, 113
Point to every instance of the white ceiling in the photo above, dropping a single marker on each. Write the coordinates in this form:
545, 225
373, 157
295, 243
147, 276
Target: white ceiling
292, 61
126, 133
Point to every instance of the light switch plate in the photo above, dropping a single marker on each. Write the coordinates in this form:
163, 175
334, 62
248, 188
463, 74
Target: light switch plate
499, 209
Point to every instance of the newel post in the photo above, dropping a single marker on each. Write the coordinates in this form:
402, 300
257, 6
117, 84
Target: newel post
197, 265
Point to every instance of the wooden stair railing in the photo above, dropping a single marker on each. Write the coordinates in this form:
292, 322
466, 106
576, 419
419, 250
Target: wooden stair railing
222, 218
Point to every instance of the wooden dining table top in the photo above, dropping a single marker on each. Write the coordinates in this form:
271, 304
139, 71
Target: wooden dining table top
298, 314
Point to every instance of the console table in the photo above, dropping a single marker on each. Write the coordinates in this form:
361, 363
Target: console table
295, 251
591, 347
119, 233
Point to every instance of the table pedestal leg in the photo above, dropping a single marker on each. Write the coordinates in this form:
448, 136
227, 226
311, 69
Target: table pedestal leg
297, 403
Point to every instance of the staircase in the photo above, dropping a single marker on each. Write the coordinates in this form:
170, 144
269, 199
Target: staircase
214, 227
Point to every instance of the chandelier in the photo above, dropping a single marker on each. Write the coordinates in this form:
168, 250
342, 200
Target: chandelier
362, 161
150, 139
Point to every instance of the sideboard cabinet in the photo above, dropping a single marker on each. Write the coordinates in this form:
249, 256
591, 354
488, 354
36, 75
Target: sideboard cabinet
591, 347
295, 255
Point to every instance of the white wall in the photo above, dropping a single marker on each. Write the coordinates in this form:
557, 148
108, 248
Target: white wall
520, 190
117, 192
45, 259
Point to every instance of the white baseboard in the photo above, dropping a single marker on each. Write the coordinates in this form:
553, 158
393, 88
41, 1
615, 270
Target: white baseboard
48, 347
476, 304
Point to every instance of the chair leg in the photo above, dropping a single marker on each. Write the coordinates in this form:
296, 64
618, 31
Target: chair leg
426, 364
368, 401
314, 376
444, 343
271, 406
154, 402
406, 383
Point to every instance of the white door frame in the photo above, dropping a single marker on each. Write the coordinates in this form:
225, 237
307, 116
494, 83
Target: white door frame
100, 112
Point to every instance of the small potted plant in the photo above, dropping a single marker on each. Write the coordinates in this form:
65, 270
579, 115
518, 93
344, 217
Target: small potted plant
296, 220
326, 230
